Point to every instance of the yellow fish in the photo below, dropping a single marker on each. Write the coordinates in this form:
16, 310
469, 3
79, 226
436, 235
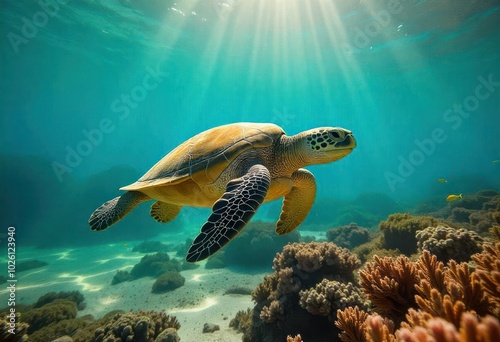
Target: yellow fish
452, 198
124, 245
442, 180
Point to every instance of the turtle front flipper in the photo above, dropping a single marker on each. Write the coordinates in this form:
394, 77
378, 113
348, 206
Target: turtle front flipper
164, 212
231, 212
114, 210
298, 202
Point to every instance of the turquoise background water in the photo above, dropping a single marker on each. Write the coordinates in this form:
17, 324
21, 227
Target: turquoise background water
93, 93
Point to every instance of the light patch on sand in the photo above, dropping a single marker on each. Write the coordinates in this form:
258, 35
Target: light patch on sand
64, 255
119, 256
108, 300
207, 303
81, 280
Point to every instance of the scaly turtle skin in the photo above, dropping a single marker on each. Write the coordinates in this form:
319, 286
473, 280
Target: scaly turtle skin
233, 169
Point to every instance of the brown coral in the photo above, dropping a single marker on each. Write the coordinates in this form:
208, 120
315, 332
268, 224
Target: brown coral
438, 329
310, 273
139, 326
351, 322
488, 271
331, 294
399, 231
449, 243
390, 285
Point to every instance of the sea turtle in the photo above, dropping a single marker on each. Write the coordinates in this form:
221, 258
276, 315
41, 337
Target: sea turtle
233, 169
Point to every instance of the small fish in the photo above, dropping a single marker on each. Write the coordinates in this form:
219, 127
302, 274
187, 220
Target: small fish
452, 198
124, 245
442, 180
496, 161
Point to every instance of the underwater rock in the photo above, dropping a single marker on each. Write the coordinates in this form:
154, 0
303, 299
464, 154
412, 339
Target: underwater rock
153, 265
399, 231
168, 281
29, 265
121, 276
74, 296
449, 243
210, 328
256, 245
168, 335
150, 247
216, 261
239, 290
348, 236
299, 268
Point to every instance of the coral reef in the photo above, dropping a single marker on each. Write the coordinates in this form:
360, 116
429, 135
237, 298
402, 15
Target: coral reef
144, 326
257, 245
433, 302
168, 281
348, 236
20, 329
66, 327
390, 285
242, 321
52, 312
297, 338
74, 296
150, 247
488, 271
306, 275
399, 231
477, 212
449, 243
328, 294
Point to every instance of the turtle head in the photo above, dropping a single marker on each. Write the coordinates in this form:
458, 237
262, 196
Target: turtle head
326, 144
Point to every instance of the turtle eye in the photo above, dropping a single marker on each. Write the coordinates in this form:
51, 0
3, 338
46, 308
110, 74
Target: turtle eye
335, 134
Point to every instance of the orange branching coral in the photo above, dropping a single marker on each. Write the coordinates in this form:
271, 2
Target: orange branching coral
432, 270
439, 305
378, 329
390, 285
352, 323
438, 329
488, 271
464, 285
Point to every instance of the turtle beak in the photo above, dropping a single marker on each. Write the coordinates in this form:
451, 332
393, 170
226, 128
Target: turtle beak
348, 143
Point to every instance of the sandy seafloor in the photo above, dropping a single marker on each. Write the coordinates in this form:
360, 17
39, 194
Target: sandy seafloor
90, 270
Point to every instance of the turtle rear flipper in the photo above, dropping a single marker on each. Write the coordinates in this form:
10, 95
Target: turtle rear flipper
114, 210
231, 212
164, 212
